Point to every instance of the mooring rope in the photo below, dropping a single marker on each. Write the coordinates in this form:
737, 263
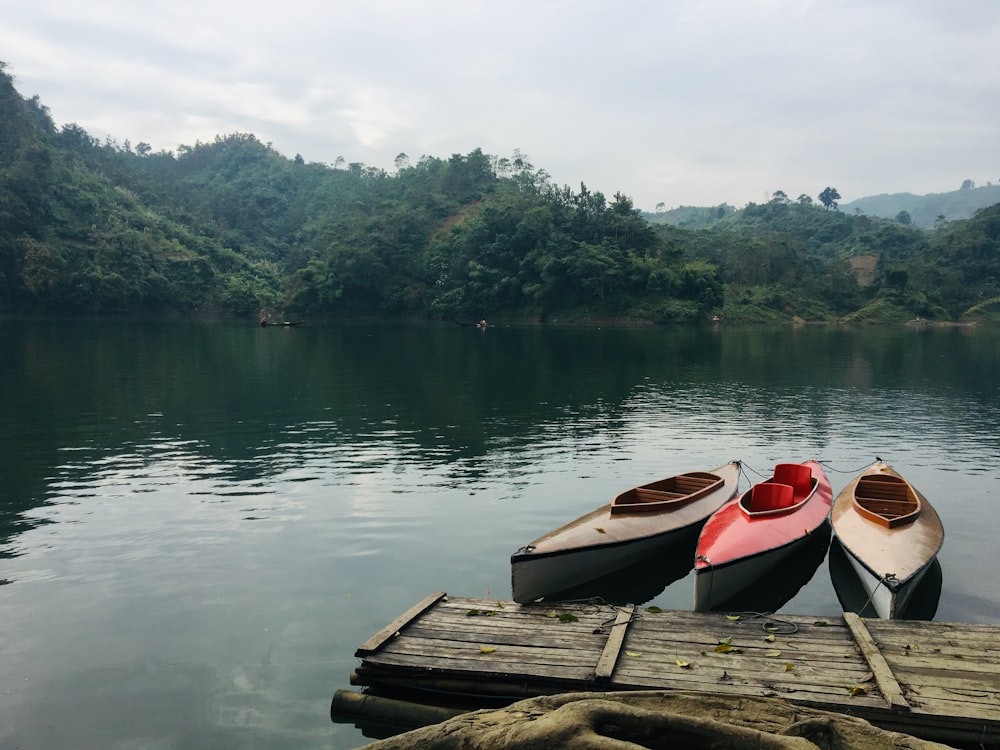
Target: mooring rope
827, 466
768, 626
884, 579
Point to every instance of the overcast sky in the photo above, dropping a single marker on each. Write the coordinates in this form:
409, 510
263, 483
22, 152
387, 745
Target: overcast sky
680, 102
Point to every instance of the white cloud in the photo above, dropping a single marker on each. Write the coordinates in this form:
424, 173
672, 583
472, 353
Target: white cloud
691, 102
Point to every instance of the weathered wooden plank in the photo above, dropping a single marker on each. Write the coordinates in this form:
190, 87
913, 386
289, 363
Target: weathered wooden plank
800, 648
390, 630
502, 666
609, 656
567, 639
953, 700
883, 674
438, 651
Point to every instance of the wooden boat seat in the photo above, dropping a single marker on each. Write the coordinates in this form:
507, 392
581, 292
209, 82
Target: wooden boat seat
643, 495
799, 476
666, 492
886, 500
771, 496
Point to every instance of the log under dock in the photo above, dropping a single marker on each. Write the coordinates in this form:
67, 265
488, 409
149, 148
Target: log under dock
936, 680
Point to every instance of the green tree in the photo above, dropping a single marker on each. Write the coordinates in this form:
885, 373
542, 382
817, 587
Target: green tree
829, 198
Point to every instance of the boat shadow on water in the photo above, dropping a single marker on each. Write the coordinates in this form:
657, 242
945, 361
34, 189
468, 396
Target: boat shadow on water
773, 591
647, 579
640, 582
853, 598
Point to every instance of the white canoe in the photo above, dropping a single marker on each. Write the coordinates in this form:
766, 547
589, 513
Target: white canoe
890, 533
637, 523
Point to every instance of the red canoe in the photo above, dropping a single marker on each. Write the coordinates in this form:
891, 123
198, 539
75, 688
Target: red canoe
748, 537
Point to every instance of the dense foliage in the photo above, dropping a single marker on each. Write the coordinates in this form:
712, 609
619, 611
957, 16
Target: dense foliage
234, 228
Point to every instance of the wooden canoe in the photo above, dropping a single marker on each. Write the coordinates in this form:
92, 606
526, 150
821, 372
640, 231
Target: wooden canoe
635, 524
890, 533
748, 538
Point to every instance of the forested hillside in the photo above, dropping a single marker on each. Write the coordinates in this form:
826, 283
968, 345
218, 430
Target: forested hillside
234, 228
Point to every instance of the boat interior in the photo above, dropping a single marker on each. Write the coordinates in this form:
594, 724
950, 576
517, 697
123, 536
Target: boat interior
771, 496
790, 485
886, 499
671, 491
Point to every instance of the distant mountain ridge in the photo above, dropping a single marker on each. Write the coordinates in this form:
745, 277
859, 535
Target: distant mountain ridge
923, 210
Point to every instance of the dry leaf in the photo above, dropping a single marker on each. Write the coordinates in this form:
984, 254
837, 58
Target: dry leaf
857, 690
633, 653
770, 638
773, 653
487, 649
789, 667
600, 530
681, 663
732, 618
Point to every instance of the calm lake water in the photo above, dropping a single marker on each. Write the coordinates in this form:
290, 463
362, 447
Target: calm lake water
200, 523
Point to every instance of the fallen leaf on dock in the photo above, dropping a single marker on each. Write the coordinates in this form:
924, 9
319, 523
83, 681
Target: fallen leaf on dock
487, 649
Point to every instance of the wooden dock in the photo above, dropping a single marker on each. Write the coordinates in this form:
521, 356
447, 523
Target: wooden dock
938, 681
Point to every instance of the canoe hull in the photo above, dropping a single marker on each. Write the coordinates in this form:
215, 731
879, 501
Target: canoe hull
889, 561
603, 541
887, 600
737, 548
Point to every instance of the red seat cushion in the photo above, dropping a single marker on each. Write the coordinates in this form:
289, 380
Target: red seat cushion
771, 496
799, 476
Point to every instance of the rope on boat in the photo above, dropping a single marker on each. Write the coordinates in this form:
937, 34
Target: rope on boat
884, 579
827, 466
744, 465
